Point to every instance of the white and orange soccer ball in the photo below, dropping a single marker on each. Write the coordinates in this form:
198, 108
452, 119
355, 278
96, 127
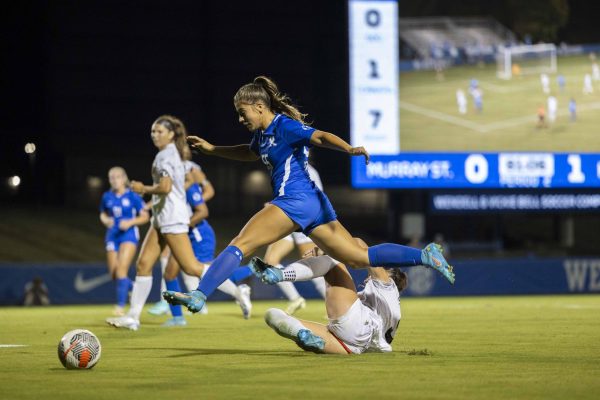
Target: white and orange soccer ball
79, 349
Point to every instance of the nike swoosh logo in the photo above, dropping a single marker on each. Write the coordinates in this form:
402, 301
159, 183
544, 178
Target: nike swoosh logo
86, 285
437, 262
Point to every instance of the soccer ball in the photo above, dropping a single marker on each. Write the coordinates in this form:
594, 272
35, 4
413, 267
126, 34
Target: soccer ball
79, 349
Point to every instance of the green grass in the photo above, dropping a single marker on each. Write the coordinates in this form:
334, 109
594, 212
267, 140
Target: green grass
448, 348
508, 121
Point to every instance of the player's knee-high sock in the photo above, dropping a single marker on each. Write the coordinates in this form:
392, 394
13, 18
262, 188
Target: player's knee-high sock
163, 265
191, 282
241, 273
305, 270
227, 287
122, 289
139, 295
174, 285
289, 290
221, 269
392, 255
282, 323
320, 285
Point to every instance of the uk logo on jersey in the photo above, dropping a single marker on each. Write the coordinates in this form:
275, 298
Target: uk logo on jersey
126, 202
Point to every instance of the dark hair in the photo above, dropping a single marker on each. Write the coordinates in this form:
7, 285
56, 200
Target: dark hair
176, 125
399, 277
265, 90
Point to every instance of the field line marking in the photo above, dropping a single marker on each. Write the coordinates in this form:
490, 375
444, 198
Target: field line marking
6, 346
441, 116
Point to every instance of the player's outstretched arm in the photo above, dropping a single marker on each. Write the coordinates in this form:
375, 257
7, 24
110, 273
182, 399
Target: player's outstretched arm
331, 141
241, 152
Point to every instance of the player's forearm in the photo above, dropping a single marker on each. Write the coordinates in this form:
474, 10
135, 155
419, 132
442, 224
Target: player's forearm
141, 219
105, 219
240, 152
157, 188
330, 141
198, 216
208, 191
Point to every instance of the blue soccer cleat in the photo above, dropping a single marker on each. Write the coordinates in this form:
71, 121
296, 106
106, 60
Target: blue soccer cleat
309, 341
266, 272
159, 308
193, 301
431, 256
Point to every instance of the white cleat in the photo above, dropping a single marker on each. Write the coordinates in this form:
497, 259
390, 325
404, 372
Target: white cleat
125, 322
295, 305
244, 300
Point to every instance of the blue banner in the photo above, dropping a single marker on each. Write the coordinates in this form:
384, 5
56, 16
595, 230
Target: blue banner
477, 170
90, 283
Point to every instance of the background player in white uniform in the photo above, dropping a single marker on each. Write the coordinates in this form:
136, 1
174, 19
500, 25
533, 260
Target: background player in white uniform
545, 81
193, 174
461, 101
278, 250
170, 219
552, 108
358, 322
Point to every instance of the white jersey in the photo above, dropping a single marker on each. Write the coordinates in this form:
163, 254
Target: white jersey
190, 165
170, 209
384, 299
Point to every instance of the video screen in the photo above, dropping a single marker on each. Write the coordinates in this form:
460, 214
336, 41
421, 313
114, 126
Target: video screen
461, 103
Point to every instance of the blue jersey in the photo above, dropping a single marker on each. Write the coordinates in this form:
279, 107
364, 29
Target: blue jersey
283, 148
194, 198
202, 235
126, 206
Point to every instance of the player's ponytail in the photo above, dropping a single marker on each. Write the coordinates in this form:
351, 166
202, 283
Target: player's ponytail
177, 126
265, 90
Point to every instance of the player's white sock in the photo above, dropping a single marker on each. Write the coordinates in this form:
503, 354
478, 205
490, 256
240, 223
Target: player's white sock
288, 288
320, 285
227, 287
163, 265
308, 268
191, 282
285, 325
139, 295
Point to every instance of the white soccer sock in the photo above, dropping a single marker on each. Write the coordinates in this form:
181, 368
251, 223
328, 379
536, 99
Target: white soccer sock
320, 285
308, 268
163, 266
288, 288
191, 282
139, 295
227, 287
285, 325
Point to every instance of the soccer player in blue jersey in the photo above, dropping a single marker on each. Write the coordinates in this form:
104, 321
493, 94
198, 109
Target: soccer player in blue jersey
202, 237
281, 140
170, 215
121, 212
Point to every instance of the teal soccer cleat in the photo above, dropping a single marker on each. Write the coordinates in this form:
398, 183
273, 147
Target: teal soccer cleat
267, 273
309, 341
159, 308
193, 301
431, 256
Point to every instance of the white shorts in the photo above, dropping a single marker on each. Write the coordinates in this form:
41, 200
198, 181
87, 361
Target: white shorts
174, 229
298, 238
356, 328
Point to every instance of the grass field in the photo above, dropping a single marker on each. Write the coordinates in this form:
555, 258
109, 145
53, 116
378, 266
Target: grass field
429, 117
447, 348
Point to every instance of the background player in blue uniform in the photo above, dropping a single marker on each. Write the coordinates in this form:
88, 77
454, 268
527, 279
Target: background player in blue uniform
280, 140
121, 211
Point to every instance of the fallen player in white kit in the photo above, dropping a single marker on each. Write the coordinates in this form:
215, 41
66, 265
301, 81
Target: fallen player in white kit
358, 322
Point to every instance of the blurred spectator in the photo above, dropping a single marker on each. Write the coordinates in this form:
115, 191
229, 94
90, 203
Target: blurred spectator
587, 84
36, 293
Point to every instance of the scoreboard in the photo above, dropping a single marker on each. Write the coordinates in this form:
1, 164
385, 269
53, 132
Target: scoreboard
375, 124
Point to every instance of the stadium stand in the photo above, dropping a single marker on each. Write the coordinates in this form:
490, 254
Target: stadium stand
461, 38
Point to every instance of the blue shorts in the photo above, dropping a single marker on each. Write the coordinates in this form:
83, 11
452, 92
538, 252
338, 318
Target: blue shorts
307, 209
204, 242
114, 238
